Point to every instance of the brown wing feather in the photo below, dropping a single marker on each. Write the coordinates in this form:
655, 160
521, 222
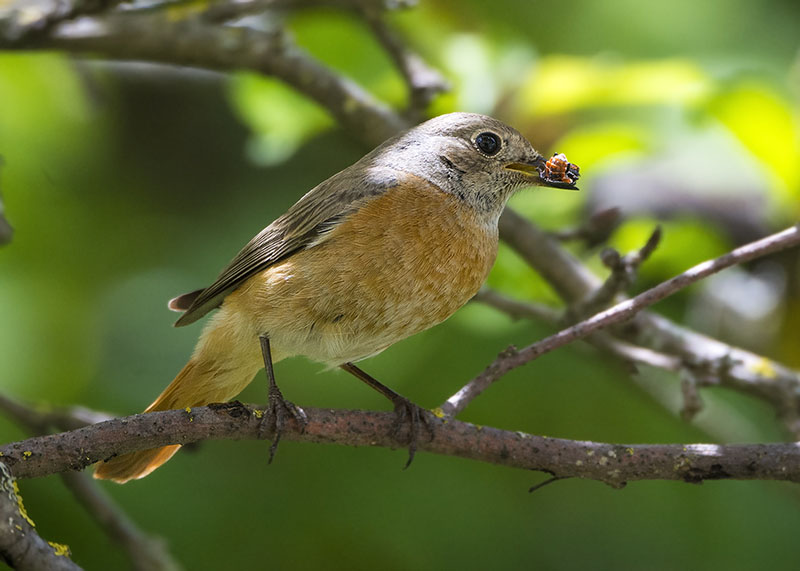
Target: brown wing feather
304, 225
183, 301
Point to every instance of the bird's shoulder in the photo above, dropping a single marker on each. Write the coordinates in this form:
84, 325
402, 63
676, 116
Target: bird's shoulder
308, 223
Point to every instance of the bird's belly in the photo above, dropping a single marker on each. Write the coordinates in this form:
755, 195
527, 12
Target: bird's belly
397, 267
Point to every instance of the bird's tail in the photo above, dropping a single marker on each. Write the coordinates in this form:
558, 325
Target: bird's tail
199, 383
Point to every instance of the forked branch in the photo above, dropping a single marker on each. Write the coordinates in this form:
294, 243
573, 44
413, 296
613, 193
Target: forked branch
621, 312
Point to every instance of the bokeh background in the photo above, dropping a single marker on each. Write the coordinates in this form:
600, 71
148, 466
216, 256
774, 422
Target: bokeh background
129, 184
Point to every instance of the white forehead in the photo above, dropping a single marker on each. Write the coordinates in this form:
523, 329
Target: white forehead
463, 124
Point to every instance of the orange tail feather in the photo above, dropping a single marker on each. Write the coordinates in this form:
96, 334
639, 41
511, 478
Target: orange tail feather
134, 465
197, 384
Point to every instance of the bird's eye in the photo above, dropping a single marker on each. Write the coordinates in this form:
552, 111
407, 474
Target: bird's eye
488, 143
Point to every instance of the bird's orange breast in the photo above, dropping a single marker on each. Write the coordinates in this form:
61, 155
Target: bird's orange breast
402, 263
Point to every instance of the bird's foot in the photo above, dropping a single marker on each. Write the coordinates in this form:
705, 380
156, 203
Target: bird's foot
279, 410
406, 412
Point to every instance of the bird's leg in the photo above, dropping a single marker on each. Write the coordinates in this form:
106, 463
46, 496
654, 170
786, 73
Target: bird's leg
279, 408
405, 410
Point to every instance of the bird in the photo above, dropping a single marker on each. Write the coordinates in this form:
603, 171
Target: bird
388, 247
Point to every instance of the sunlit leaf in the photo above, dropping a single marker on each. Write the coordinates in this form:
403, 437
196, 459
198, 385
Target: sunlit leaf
559, 84
43, 106
767, 125
481, 71
281, 119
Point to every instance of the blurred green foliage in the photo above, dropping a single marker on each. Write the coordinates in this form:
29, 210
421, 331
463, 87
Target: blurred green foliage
128, 184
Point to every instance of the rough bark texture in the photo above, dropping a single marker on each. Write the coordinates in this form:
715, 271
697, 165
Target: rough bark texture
614, 464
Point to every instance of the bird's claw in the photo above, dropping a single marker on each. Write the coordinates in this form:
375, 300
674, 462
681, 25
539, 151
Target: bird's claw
279, 410
406, 412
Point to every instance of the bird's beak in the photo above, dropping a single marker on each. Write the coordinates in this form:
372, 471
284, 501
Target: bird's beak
557, 172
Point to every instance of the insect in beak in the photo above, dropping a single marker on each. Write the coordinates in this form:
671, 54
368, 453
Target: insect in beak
556, 172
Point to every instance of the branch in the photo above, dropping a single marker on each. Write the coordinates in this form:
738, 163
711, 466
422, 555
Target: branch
424, 83
189, 42
747, 372
222, 49
195, 43
614, 464
5, 228
516, 309
571, 279
226, 10
24, 18
597, 229
46, 418
623, 274
20, 546
146, 553
626, 351
511, 359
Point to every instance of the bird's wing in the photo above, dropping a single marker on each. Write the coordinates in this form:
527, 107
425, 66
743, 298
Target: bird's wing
305, 225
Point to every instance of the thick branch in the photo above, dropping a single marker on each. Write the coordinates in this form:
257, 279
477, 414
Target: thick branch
614, 464
209, 47
145, 552
623, 311
189, 42
226, 10
20, 546
195, 43
23, 18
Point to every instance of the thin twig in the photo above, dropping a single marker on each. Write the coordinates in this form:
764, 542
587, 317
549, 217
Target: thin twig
627, 351
613, 464
541, 485
692, 402
515, 308
424, 82
630, 354
621, 312
45, 419
596, 230
747, 372
635, 354
371, 122
623, 274
145, 552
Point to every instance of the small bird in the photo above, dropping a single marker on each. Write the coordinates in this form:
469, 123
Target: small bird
384, 249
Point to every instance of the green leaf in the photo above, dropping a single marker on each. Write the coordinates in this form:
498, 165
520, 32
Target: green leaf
281, 119
561, 84
766, 124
